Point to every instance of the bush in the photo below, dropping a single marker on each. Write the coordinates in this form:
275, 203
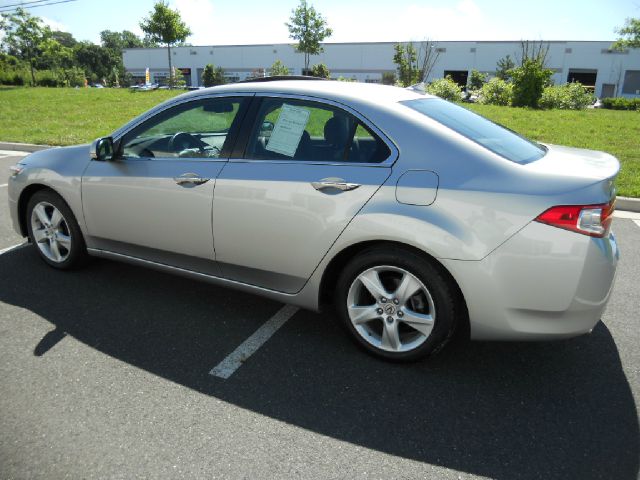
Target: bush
529, 81
445, 88
477, 80
570, 96
212, 76
496, 92
388, 78
279, 69
621, 103
14, 77
320, 70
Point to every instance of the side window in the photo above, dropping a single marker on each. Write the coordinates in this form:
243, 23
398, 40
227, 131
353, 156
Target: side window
195, 129
291, 129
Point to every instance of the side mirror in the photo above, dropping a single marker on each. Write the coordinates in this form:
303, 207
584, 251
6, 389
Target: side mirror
102, 149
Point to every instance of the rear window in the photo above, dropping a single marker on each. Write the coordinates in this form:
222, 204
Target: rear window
490, 135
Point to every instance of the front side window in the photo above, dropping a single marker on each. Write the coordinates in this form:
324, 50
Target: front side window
490, 135
291, 129
198, 129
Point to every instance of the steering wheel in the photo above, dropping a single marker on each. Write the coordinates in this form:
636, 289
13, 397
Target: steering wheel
182, 141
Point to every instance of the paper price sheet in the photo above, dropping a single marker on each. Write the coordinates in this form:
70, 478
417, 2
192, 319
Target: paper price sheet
288, 130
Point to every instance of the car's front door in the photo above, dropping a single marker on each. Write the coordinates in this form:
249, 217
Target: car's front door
308, 168
154, 200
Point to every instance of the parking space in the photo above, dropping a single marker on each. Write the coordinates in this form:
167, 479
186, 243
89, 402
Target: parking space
107, 372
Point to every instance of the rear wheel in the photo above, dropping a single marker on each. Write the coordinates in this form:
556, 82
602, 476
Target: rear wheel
54, 231
395, 304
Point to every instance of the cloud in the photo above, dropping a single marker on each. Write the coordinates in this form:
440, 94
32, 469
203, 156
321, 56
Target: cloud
54, 24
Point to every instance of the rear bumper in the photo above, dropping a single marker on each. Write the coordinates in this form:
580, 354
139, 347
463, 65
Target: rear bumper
543, 283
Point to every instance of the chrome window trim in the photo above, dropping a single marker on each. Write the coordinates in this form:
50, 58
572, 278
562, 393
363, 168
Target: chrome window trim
389, 161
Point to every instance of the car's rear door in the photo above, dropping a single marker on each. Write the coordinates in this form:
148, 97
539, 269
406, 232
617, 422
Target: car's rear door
303, 170
154, 200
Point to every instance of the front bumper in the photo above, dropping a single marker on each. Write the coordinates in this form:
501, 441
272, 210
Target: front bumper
543, 283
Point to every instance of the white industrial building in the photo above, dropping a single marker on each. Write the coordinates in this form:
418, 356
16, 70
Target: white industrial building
610, 72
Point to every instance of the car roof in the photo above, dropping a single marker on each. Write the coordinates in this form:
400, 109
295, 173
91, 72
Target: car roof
348, 92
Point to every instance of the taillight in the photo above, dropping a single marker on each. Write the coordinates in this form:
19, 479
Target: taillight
592, 220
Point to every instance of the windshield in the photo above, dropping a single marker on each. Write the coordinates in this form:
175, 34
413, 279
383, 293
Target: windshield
490, 135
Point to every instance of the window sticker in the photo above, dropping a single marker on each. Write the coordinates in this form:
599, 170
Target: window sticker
288, 130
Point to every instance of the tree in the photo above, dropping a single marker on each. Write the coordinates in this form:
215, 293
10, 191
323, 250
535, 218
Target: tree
212, 76
24, 35
406, 59
278, 69
308, 28
428, 55
477, 80
320, 70
64, 38
414, 65
529, 81
504, 65
114, 43
629, 35
94, 60
164, 25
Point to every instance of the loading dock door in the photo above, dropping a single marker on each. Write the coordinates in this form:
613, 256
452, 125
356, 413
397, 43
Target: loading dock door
458, 76
586, 77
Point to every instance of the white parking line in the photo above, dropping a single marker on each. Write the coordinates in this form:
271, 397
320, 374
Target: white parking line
637, 222
247, 348
14, 247
4, 185
13, 153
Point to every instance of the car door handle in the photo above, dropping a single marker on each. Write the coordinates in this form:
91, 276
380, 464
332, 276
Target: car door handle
337, 183
190, 179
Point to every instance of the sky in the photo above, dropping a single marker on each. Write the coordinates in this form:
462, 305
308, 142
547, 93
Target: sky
226, 22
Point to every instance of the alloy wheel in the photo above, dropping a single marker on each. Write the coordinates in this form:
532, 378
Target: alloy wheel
51, 232
391, 309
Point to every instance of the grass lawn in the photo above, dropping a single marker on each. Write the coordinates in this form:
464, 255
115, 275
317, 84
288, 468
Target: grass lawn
71, 116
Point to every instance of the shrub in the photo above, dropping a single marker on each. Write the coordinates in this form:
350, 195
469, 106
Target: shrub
320, 70
477, 80
388, 78
445, 88
496, 92
48, 78
529, 81
621, 103
278, 69
212, 76
570, 96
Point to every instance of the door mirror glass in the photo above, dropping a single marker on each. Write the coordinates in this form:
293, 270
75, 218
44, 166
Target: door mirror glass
102, 149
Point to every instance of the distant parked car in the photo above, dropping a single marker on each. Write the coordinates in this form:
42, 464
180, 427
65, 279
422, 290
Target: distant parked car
411, 216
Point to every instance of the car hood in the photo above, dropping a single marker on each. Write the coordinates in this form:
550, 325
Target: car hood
64, 159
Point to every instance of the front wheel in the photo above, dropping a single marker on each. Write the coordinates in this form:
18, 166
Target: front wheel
396, 304
54, 230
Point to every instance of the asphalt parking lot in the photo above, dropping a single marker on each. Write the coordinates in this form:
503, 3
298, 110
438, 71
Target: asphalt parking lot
105, 373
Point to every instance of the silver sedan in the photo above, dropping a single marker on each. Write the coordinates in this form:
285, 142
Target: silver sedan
410, 216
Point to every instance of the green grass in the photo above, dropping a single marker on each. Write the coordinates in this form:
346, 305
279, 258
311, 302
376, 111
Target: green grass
68, 116
71, 116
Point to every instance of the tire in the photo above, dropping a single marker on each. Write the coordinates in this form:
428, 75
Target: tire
413, 311
54, 231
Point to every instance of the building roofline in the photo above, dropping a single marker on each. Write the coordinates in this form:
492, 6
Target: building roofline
376, 43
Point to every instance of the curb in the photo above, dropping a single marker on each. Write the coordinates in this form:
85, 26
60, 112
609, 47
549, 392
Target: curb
628, 204
23, 147
622, 203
